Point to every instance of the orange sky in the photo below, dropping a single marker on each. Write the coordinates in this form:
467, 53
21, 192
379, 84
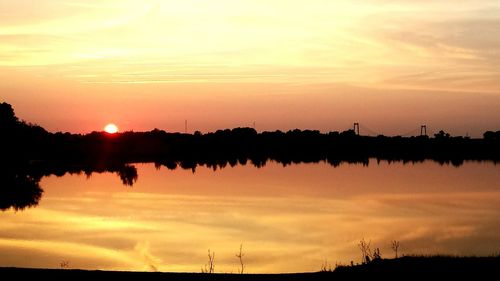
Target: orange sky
75, 65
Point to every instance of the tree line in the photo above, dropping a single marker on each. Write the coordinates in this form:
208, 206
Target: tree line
21, 141
29, 152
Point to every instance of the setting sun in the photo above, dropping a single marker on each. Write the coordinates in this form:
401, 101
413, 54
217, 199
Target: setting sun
111, 129
284, 135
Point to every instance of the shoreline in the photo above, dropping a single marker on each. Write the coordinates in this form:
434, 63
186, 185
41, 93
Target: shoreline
405, 267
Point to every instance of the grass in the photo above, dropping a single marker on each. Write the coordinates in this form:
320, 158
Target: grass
426, 266
403, 268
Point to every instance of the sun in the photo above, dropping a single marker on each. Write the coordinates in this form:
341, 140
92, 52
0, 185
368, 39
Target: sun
111, 128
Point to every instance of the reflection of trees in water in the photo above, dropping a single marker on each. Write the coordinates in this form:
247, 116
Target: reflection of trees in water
20, 186
19, 191
128, 175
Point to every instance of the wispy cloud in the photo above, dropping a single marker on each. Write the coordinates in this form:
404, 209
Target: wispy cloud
362, 43
143, 248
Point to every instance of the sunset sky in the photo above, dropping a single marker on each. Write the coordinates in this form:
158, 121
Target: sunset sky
74, 65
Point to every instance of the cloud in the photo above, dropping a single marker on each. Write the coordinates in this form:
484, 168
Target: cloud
363, 43
446, 47
151, 262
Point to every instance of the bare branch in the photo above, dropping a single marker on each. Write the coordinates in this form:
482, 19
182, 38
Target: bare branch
365, 251
210, 267
395, 247
240, 257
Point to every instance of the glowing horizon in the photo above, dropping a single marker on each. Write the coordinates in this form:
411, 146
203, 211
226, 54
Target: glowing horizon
282, 64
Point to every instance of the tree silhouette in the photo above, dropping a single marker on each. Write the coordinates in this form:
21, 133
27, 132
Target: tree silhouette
442, 135
128, 175
18, 191
7, 116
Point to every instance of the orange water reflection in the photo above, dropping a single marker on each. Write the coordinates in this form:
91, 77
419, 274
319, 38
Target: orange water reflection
288, 218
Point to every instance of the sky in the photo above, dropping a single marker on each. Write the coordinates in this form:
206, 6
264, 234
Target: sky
392, 66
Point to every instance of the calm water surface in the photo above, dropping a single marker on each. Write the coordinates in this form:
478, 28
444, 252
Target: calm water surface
289, 219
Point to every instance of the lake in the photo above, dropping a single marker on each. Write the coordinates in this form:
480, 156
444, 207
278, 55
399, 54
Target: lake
288, 219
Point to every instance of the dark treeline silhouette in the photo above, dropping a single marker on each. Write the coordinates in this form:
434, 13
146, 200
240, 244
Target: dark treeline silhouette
29, 152
26, 142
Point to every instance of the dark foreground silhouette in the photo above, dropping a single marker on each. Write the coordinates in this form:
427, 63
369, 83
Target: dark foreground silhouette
28, 152
20, 182
22, 142
406, 268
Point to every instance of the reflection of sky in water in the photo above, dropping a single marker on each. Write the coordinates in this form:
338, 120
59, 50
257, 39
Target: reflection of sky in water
288, 219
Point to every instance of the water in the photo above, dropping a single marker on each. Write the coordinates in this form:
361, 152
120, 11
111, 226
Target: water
289, 219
